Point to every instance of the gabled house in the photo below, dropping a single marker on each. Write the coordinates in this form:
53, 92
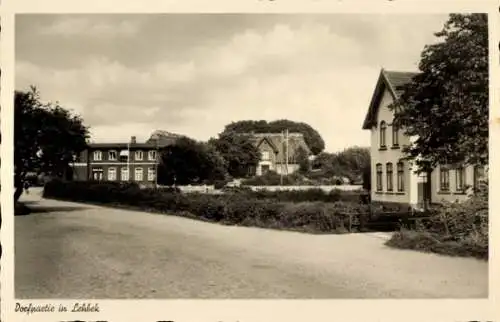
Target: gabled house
280, 152
393, 179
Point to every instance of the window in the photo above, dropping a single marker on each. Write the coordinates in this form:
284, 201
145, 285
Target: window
460, 179
97, 174
383, 128
151, 174
124, 155
401, 173
97, 155
112, 155
112, 174
379, 177
139, 174
395, 135
479, 176
152, 155
265, 155
138, 155
124, 174
388, 172
444, 179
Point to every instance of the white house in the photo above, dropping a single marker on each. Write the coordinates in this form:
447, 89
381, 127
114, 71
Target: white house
393, 179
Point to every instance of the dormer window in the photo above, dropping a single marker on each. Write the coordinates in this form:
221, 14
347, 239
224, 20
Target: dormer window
97, 156
265, 155
383, 129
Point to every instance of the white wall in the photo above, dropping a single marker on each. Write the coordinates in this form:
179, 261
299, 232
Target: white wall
452, 195
389, 155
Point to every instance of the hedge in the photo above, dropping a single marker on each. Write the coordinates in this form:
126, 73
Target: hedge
230, 209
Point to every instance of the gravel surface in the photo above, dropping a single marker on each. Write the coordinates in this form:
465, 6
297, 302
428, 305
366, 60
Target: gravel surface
70, 250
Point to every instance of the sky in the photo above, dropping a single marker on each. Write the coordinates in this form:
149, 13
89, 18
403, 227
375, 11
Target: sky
130, 74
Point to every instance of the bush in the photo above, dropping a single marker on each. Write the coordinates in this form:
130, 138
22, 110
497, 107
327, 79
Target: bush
232, 209
459, 229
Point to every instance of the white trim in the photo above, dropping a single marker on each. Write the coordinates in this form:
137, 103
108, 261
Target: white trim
78, 164
109, 155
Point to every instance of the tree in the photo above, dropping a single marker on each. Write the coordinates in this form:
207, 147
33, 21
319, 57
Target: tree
303, 160
445, 107
312, 138
188, 161
238, 151
46, 137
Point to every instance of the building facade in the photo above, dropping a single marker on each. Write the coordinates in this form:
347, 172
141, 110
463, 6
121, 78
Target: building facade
121, 162
393, 178
280, 152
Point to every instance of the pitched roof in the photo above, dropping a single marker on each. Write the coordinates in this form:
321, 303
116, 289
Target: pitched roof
121, 145
393, 81
164, 138
277, 143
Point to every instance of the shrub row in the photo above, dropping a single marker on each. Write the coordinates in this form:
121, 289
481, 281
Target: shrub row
272, 178
231, 209
313, 194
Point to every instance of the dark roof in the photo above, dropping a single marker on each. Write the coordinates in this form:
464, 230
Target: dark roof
393, 81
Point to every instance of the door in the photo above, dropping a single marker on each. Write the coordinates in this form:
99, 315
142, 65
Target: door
265, 168
424, 187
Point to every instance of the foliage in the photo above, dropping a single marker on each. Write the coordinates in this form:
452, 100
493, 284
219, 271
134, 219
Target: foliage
351, 163
187, 161
46, 137
232, 209
238, 152
453, 229
446, 105
303, 161
312, 138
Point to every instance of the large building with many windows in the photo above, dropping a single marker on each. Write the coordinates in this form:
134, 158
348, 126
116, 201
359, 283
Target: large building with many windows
393, 177
123, 162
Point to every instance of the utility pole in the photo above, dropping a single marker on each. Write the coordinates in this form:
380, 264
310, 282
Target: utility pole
281, 161
156, 164
286, 154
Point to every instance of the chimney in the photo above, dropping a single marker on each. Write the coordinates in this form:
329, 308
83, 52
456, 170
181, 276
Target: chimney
133, 140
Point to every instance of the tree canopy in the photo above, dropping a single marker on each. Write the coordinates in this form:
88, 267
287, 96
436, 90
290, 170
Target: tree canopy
238, 151
351, 163
46, 137
312, 138
188, 161
445, 107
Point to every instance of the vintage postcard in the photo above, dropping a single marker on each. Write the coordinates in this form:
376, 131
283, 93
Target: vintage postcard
281, 162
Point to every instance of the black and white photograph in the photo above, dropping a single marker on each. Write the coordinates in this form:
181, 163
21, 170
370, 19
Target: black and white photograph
251, 156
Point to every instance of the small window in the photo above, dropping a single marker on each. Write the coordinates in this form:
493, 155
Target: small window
112, 155
152, 155
479, 176
395, 135
265, 155
138, 174
383, 128
444, 179
389, 175
112, 174
379, 177
97, 156
151, 174
401, 173
124, 174
138, 155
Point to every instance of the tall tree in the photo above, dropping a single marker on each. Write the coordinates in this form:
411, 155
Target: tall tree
238, 151
46, 137
445, 107
312, 138
187, 161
